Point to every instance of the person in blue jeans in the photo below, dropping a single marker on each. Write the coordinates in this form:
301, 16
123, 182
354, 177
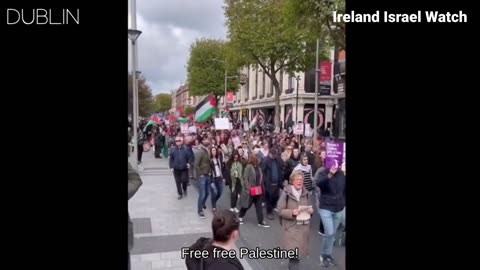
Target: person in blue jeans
218, 172
204, 182
331, 205
202, 166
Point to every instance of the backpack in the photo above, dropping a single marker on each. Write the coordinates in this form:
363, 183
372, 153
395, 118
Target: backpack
286, 206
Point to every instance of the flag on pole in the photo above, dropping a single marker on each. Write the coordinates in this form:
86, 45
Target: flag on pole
205, 109
254, 121
154, 120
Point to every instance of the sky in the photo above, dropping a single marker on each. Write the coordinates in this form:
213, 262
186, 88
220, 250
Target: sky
168, 28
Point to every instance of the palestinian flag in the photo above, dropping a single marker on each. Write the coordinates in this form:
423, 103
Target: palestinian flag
205, 109
183, 120
154, 120
254, 121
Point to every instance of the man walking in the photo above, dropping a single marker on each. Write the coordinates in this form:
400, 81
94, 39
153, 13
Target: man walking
180, 160
203, 170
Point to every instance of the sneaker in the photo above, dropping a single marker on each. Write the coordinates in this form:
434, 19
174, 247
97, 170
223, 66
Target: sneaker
241, 220
201, 215
263, 224
270, 216
179, 197
331, 260
232, 210
324, 261
321, 233
236, 210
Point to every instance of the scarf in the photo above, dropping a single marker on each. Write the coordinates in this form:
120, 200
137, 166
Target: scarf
296, 193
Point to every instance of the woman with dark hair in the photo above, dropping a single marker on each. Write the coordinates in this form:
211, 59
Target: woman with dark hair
218, 171
242, 152
292, 162
252, 191
225, 226
235, 166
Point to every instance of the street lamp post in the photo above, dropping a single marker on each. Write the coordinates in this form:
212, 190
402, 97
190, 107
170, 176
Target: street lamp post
315, 120
133, 35
296, 110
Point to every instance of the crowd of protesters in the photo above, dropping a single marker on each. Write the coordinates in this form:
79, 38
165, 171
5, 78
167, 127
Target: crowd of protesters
284, 173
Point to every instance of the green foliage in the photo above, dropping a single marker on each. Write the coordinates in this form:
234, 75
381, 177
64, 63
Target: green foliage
163, 102
206, 76
316, 16
189, 110
145, 97
260, 33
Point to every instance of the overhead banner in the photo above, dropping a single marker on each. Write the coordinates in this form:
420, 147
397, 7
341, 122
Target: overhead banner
325, 78
230, 99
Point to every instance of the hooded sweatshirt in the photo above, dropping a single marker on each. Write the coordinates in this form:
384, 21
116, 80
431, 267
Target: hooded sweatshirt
211, 263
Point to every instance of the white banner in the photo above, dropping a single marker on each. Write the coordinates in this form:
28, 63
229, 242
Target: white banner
222, 123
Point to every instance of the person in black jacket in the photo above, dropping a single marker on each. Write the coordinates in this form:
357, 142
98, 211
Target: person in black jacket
273, 171
180, 159
159, 140
225, 226
217, 166
332, 202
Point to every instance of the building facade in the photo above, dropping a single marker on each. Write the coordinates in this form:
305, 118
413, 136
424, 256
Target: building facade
182, 97
338, 94
256, 96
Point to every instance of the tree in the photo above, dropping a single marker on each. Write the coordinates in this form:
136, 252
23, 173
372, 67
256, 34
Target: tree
206, 68
163, 102
189, 110
317, 17
145, 97
261, 34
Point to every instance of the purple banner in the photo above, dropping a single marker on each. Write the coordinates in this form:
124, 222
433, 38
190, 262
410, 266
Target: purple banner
334, 151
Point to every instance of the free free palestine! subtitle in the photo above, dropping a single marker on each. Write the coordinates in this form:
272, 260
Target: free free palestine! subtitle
256, 253
430, 17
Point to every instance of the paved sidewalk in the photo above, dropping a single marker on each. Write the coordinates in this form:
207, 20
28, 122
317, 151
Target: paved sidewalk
163, 224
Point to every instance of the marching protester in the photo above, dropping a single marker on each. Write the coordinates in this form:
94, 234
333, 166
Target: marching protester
306, 169
252, 192
295, 229
159, 140
274, 174
180, 159
332, 203
236, 173
293, 161
203, 171
218, 172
